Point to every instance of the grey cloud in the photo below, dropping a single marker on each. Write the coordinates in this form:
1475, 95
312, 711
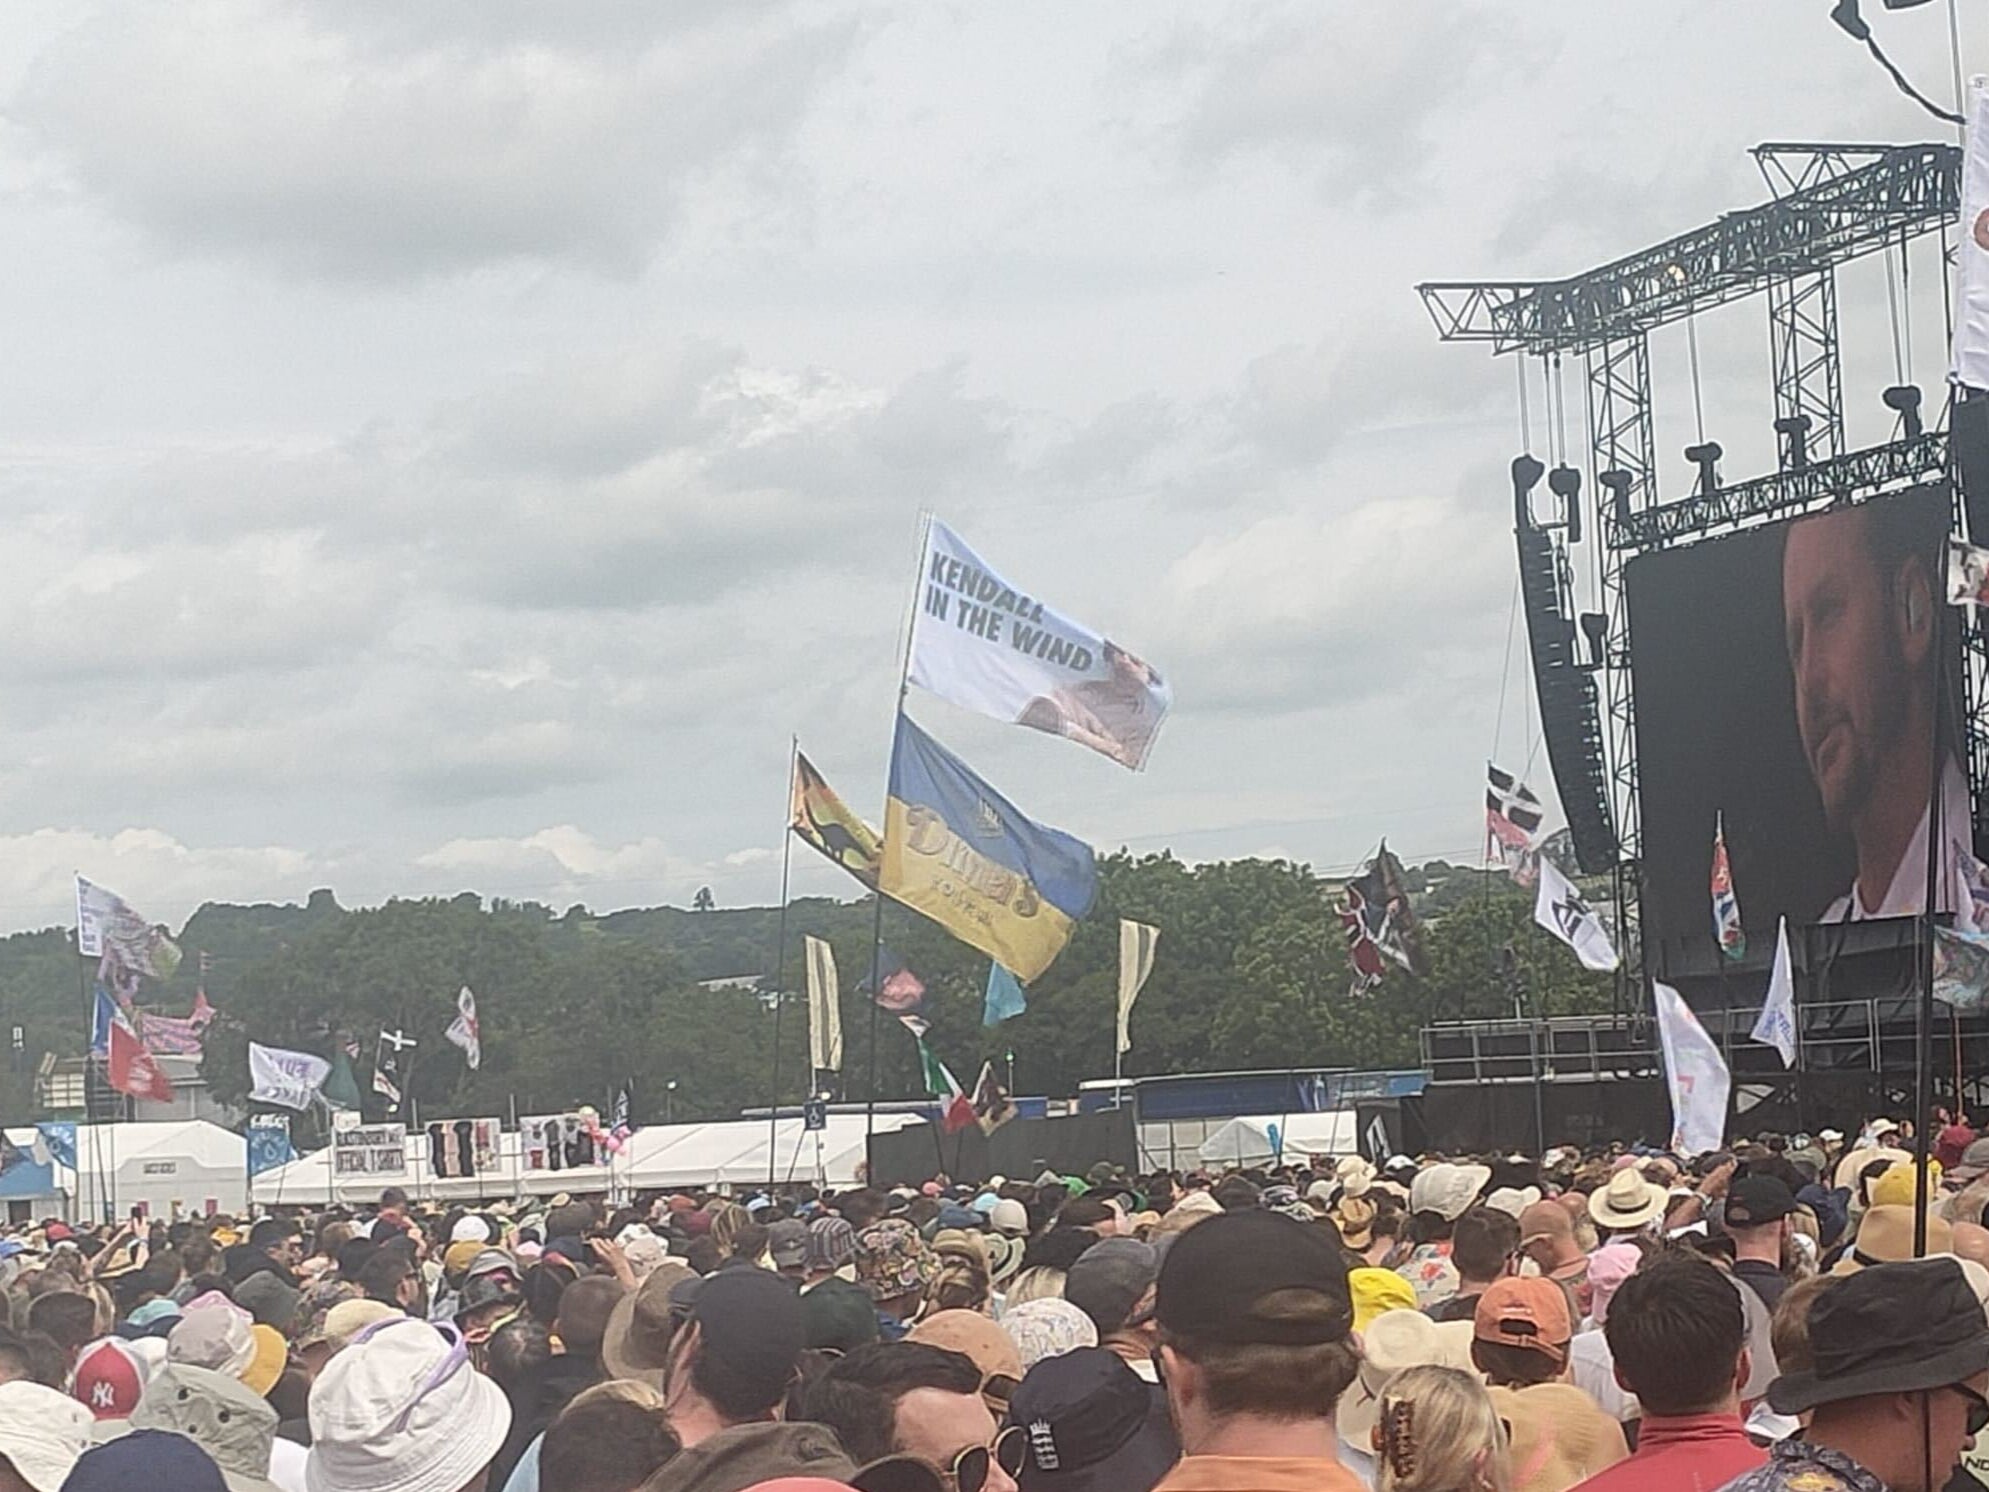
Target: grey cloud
258, 129
1355, 93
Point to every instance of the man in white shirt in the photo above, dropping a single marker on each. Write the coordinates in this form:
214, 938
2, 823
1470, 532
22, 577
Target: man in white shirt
1861, 619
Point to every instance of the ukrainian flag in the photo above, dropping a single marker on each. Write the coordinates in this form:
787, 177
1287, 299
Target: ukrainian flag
966, 857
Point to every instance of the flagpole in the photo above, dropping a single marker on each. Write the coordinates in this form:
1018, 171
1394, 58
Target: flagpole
780, 962
1923, 1077
102, 1199
877, 912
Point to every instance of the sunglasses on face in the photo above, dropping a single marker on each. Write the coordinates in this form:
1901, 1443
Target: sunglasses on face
971, 1467
1978, 1408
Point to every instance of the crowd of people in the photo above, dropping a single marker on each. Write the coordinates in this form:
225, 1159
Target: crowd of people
1784, 1316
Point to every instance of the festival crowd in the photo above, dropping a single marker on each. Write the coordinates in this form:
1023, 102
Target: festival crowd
1592, 1318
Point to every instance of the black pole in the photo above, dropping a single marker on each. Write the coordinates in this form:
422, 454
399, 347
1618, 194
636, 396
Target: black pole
780, 973
1923, 1056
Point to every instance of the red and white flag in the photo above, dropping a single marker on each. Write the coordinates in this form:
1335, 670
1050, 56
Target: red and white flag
130, 1068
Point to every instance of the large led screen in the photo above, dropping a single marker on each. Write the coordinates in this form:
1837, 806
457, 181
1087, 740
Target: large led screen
1785, 684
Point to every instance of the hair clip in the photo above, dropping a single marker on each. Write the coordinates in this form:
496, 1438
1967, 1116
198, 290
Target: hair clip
1398, 1437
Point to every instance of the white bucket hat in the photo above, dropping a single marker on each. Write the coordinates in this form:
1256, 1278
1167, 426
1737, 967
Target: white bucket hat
470, 1229
1394, 1340
1513, 1200
42, 1433
403, 1410
1447, 1189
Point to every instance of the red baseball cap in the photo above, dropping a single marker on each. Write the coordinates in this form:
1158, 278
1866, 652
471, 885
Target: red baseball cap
109, 1379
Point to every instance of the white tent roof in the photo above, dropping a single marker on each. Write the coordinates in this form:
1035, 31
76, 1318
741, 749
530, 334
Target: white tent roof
728, 1153
1246, 1141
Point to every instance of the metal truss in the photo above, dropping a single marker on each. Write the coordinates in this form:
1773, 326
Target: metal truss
1836, 210
1853, 478
1830, 203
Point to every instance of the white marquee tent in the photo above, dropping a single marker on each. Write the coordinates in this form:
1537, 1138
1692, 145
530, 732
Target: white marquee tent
729, 1153
177, 1166
1246, 1141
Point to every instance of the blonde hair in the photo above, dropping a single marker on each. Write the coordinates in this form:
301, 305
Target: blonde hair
1039, 1282
1438, 1432
633, 1390
961, 1282
726, 1221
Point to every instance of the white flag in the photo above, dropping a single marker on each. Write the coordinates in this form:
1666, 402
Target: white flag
1968, 573
825, 1009
1777, 1026
463, 1030
1971, 312
1136, 945
288, 1078
1559, 908
1696, 1074
991, 647
106, 923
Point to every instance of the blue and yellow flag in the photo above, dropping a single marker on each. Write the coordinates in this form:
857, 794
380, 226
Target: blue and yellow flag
966, 857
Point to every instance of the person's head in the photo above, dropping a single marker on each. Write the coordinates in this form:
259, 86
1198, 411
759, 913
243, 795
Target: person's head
402, 1409
610, 1438
584, 1308
1788, 1329
912, 1399
1860, 608
389, 1276
1894, 1349
393, 1200
1757, 1215
68, 1317
734, 1351
1255, 1321
516, 1351
280, 1239
1678, 1336
1112, 1283
1484, 1245
1436, 1430
1520, 1332
1547, 1234
893, 1265
960, 1279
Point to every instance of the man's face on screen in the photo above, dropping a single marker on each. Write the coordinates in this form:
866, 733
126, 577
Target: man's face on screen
1845, 653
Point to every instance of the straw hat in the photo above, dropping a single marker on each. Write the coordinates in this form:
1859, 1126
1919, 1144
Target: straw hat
1627, 1202
1392, 1341
1885, 1236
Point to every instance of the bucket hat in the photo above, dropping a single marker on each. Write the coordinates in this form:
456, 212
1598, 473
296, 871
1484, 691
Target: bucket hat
220, 1415
1394, 1340
636, 1342
1892, 1328
1447, 1189
403, 1410
42, 1433
1885, 1236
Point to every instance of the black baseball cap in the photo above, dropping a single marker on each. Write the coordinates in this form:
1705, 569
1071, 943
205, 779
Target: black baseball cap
1090, 1424
1216, 1273
750, 1320
1755, 1200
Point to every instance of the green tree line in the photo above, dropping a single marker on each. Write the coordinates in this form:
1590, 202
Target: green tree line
1251, 971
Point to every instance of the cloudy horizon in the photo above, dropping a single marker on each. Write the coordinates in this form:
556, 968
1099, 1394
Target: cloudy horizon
456, 447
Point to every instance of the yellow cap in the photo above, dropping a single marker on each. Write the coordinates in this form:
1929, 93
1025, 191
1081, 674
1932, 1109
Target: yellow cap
1378, 1290
1894, 1187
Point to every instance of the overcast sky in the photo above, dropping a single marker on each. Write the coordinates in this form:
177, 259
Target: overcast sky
452, 446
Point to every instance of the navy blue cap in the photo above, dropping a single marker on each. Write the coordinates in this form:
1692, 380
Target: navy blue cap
156, 1460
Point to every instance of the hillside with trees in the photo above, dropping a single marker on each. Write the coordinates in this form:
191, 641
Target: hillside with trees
1251, 972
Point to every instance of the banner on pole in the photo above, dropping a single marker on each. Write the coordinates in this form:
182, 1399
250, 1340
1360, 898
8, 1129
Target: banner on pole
1695, 1073
825, 1009
991, 648
291, 1079
1971, 312
1137, 942
962, 854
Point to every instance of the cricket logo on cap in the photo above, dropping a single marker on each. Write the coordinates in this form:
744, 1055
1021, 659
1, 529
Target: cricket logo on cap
1043, 1445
